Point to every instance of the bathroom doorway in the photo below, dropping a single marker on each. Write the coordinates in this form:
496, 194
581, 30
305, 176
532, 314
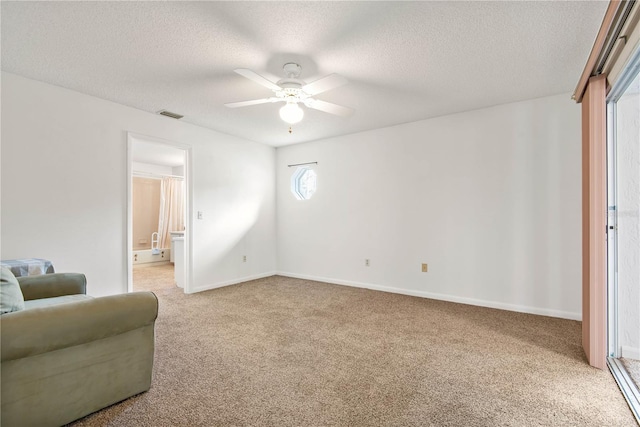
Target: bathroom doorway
158, 215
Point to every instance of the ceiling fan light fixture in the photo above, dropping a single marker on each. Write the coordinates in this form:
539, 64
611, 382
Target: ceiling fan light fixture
294, 91
291, 113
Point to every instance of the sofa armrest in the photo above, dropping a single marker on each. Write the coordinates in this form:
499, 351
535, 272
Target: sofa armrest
39, 330
52, 285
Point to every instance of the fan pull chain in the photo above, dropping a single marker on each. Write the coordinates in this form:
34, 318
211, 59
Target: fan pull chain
290, 130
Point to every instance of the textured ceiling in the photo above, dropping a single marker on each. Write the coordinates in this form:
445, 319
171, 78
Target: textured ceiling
405, 61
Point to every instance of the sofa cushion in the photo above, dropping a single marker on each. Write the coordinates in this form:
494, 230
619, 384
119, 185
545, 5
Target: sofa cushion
46, 302
11, 298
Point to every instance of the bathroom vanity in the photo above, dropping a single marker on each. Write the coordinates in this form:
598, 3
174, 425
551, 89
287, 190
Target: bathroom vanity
177, 257
174, 234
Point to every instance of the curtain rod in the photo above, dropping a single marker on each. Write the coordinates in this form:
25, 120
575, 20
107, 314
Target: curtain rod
155, 175
302, 164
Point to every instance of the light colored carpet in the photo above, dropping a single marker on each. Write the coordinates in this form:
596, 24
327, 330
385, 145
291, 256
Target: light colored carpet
153, 277
288, 352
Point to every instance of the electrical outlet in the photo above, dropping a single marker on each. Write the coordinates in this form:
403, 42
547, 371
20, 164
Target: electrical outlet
367, 263
244, 258
424, 268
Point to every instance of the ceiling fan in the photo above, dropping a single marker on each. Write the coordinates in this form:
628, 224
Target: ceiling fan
294, 91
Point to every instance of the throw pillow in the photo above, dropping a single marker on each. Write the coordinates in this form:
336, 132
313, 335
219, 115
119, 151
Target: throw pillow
11, 298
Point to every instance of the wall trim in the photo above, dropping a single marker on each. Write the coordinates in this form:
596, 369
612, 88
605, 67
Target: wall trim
442, 297
394, 290
196, 289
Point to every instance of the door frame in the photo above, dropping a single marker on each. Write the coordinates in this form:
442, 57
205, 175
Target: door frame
612, 234
132, 137
629, 73
629, 390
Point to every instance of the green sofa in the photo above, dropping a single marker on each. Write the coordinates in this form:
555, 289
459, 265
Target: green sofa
66, 355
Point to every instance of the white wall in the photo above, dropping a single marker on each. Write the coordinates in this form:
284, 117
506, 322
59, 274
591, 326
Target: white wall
490, 199
177, 170
149, 168
628, 194
64, 188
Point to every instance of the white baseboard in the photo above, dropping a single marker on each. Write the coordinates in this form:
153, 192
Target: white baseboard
443, 297
232, 282
630, 352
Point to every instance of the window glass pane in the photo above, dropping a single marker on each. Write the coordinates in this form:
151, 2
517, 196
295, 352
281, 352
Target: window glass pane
303, 183
627, 129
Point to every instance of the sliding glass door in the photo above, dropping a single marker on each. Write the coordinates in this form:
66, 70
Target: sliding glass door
623, 232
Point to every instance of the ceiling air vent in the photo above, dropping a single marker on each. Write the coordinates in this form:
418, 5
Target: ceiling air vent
170, 114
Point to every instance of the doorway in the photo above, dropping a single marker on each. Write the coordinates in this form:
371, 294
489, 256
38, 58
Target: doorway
623, 232
158, 215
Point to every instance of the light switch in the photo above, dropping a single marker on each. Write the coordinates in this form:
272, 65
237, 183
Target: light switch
200, 215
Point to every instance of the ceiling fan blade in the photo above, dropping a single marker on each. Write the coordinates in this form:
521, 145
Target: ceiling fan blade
330, 108
251, 75
324, 84
247, 103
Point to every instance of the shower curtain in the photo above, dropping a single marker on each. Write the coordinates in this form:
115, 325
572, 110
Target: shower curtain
171, 209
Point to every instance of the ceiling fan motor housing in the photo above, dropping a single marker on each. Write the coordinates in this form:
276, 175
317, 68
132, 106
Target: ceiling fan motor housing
290, 83
291, 86
291, 69
291, 94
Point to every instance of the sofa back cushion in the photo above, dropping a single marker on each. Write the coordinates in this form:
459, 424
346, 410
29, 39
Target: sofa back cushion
11, 298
